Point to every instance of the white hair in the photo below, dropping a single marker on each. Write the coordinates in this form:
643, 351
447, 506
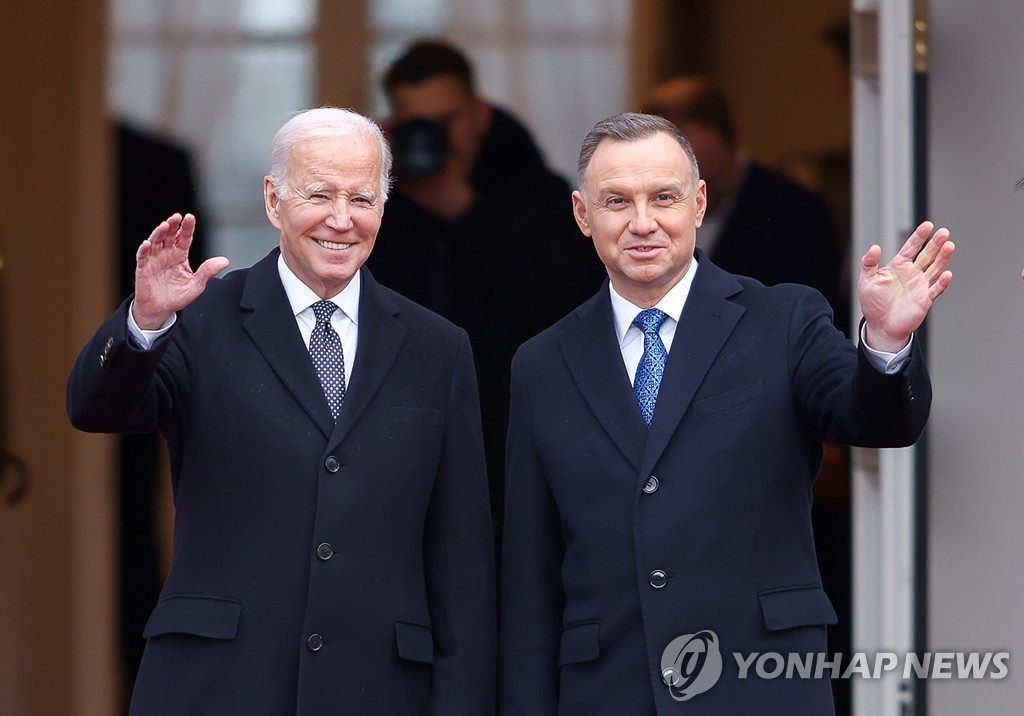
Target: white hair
324, 122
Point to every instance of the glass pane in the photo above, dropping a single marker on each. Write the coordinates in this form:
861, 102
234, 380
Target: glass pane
569, 102
415, 16
260, 17
280, 16
574, 16
481, 15
233, 103
135, 85
136, 15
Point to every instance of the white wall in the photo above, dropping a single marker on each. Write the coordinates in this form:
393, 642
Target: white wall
976, 342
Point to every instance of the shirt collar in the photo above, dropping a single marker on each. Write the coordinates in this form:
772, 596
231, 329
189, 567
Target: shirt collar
301, 296
671, 303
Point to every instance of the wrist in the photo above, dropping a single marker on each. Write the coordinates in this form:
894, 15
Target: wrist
148, 321
883, 342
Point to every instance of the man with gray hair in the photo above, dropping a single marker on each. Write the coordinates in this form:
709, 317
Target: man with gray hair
663, 442
332, 546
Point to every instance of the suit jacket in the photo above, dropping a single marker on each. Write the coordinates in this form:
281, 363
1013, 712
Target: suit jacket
317, 568
619, 539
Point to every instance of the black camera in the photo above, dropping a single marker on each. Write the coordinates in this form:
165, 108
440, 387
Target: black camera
420, 148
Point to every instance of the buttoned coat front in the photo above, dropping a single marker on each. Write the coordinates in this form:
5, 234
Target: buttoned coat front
317, 568
620, 539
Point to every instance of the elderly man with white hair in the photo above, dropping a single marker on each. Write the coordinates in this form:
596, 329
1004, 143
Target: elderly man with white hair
332, 546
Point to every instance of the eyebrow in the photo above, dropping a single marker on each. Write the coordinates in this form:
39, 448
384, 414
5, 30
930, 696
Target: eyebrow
671, 188
314, 188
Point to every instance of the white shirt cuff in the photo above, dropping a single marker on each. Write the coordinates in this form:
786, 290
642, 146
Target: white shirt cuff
882, 361
146, 339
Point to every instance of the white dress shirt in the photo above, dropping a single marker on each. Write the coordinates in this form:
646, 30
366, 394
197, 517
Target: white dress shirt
631, 338
301, 298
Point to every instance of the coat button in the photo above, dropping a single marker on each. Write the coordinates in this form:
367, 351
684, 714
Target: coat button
324, 551
315, 642
671, 677
658, 579
331, 463
651, 486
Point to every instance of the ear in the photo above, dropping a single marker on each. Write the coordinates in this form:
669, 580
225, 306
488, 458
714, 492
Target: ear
271, 201
702, 203
579, 212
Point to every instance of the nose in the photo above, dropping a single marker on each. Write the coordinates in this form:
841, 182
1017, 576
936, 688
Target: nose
642, 222
340, 218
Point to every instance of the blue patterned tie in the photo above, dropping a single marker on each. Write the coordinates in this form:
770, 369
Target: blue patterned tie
328, 358
652, 363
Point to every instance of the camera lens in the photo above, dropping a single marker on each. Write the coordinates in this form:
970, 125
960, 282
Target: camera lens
420, 148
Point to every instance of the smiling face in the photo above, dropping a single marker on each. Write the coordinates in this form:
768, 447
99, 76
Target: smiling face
330, 213
642, 208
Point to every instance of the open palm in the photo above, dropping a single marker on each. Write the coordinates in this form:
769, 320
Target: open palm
895, 298
164, 282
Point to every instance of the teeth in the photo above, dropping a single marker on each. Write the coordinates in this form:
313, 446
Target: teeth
332, 245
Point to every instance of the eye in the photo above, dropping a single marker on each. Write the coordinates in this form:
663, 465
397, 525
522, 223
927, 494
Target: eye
318, 197
664, 199
615, 202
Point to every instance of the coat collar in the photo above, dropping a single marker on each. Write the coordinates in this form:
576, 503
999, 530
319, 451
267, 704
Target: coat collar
707, 321
592, 354
273, 329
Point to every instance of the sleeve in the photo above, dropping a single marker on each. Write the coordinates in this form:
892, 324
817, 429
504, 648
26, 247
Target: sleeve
532, 596
843, 394
884, 361
459, 557
117, 387
144, 338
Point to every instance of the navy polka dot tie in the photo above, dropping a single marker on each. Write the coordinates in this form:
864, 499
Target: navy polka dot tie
652, 363
328, 358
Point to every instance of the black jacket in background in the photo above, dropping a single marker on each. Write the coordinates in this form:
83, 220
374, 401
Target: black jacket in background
777, 231
514, 263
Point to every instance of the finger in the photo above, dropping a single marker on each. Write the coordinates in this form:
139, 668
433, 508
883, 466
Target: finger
210, 268
932, 268
912, 246
939, 287
941, 261
932, 249
869, 262
164, 230
185, 232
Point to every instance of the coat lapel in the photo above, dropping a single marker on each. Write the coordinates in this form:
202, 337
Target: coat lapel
273, 329
707, 321
592, 354
381, 335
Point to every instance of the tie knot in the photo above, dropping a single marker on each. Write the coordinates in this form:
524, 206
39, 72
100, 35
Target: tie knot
650, 321
323, 310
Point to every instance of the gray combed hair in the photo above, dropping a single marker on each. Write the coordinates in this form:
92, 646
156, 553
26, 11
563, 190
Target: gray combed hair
630, 127
324, 122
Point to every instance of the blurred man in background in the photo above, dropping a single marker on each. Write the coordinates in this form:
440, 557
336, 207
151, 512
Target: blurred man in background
478, 228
